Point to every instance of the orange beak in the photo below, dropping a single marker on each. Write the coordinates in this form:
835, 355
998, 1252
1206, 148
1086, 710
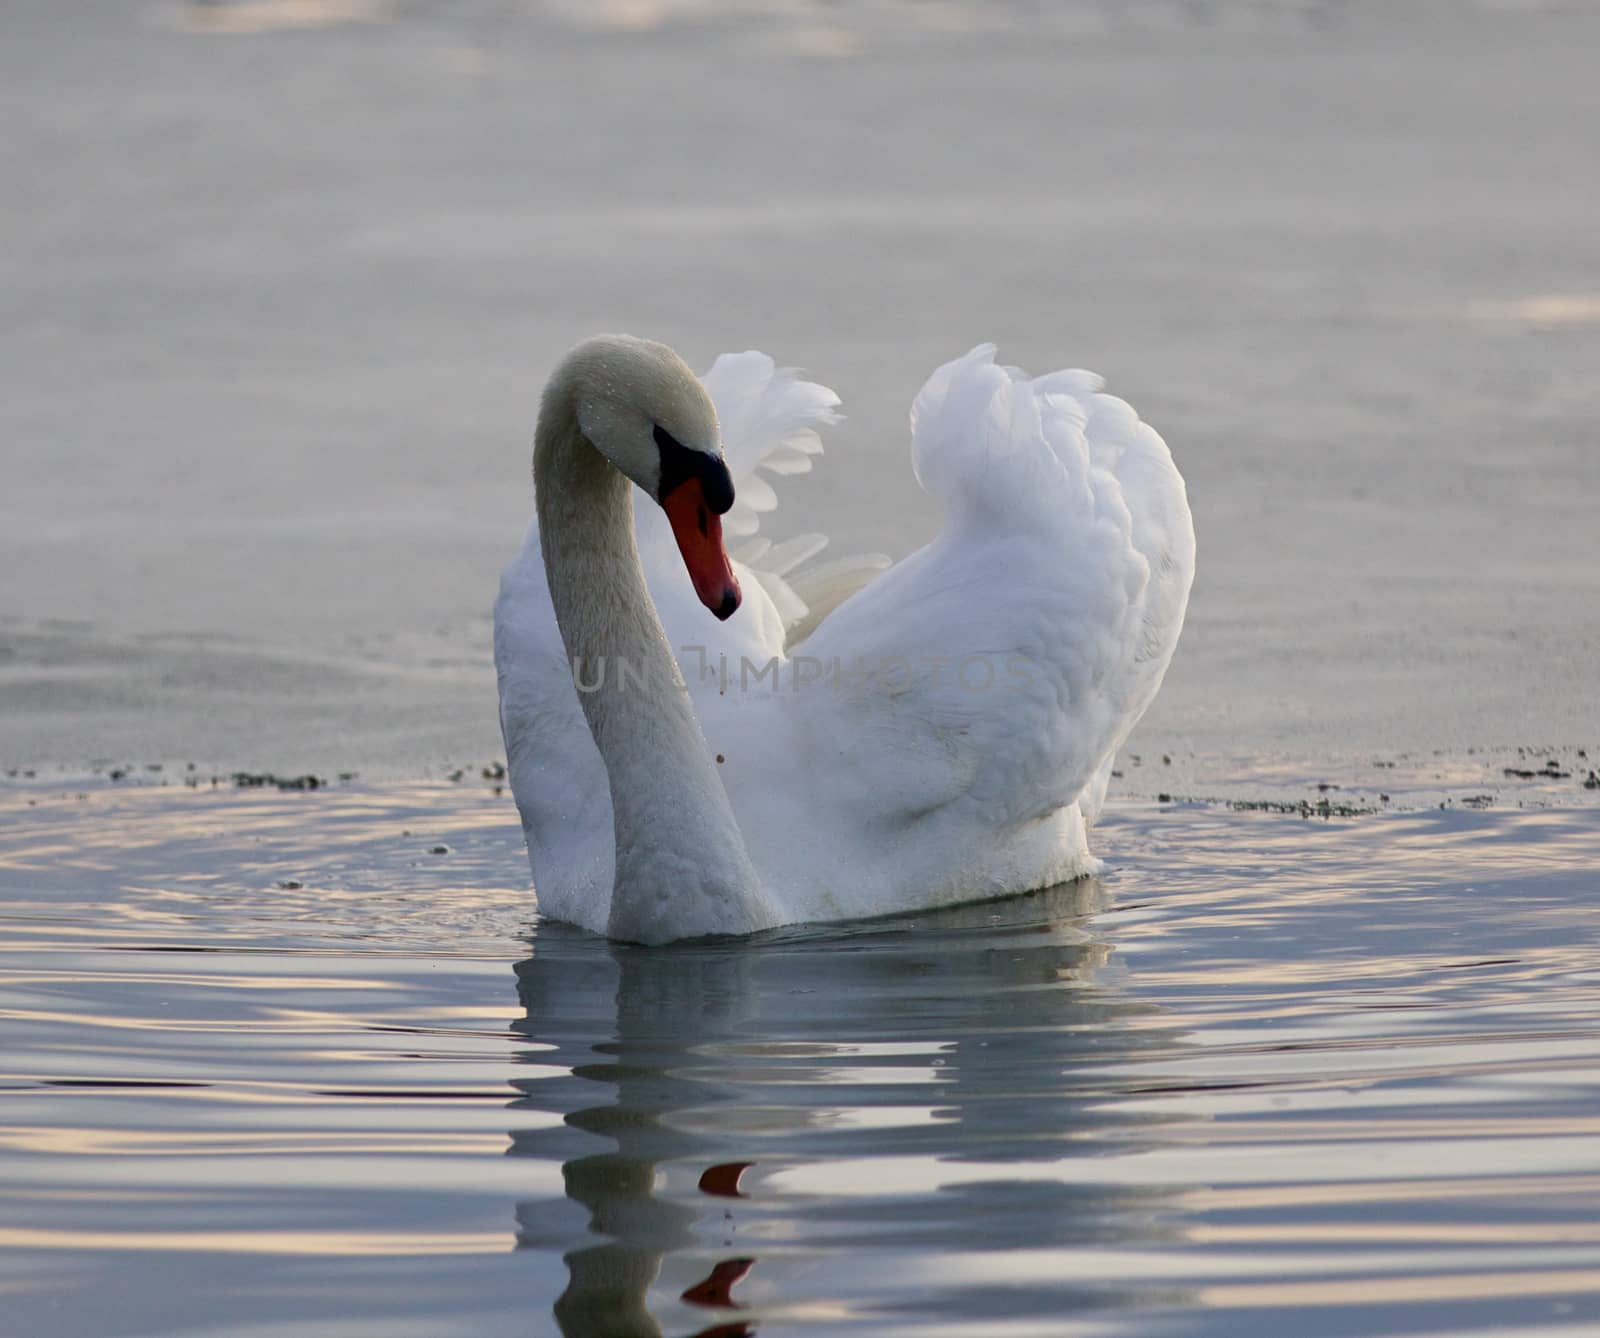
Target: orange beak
698, 530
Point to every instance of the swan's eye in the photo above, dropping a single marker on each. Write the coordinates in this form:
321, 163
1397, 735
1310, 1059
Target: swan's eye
679, 464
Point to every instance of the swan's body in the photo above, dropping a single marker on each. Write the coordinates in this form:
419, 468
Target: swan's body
945, 734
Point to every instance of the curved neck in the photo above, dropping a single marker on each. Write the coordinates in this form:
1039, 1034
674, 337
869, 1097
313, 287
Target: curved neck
681, 865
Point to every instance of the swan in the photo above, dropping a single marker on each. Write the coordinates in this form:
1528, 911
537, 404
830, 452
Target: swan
774, 740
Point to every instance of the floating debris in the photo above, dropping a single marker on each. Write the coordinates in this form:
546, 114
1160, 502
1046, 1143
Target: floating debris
266, 780
1550, 771
1306, 808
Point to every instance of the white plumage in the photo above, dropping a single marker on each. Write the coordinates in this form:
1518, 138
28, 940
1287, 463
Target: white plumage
946, 732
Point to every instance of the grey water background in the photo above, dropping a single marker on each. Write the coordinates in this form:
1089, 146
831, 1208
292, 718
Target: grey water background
281, 279
280, 297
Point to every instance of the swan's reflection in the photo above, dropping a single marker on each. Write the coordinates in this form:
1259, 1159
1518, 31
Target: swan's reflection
713, 1097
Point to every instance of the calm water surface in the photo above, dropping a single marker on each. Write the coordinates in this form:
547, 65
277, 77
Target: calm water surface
278, 1064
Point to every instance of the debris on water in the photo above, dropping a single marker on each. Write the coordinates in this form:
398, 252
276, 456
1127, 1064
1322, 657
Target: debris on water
456, 775
1592, 781
1478, 800
290, 884
1550, 771
1163, 799
261, 780
438, 850
1306, 808
495, 771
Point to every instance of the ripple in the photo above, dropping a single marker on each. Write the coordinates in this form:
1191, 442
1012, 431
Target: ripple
1263, 1070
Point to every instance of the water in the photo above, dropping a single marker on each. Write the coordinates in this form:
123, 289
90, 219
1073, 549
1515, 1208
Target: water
281, 280
275, 1066
280, 301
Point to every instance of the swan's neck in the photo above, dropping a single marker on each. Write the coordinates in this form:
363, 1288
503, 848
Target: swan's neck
681, 865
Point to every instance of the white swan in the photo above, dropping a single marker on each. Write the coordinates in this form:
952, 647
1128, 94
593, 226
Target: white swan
945, 734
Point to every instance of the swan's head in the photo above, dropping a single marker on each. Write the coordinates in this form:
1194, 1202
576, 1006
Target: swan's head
640, 406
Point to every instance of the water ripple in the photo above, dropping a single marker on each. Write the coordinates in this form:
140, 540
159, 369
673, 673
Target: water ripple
1265, 1075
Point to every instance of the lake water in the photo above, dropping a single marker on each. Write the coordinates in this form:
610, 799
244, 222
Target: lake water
301, 1063
1318, 1055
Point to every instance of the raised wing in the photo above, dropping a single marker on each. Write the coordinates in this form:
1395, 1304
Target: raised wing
1009, 658
770, 420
